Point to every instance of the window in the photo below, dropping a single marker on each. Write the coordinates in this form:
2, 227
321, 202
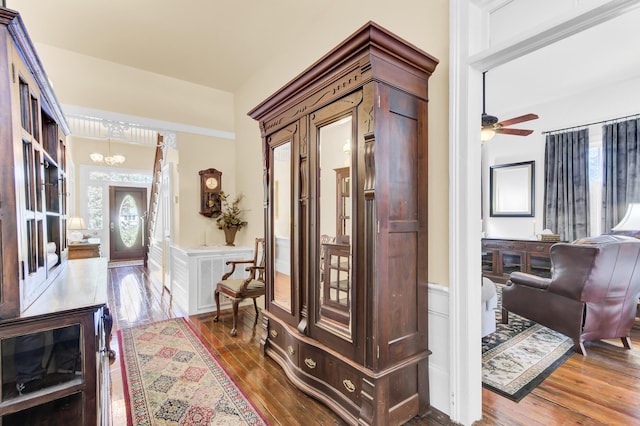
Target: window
595, 185
95, 203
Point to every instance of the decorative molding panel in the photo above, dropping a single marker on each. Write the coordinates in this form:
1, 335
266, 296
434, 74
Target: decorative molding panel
99, 124
100, 128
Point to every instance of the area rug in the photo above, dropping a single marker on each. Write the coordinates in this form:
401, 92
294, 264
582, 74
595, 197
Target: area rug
518, 356
172, 378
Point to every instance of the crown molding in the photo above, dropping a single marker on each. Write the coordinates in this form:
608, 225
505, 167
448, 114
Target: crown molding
95, 123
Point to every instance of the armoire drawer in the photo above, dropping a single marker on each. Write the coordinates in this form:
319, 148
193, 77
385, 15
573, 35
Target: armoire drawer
331, 370
539, 248
281, 339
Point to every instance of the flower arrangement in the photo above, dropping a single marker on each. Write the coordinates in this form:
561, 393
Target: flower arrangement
230, 217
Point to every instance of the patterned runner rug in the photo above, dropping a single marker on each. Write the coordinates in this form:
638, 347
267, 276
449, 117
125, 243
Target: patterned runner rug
520, 355
171, 378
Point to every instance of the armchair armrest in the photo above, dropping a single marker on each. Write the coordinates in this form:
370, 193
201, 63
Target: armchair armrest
233, 264
252, 276
529, 280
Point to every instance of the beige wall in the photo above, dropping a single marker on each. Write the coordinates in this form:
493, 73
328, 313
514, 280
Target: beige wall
198, 153
99, 84
108, 86
103, 85
422, 23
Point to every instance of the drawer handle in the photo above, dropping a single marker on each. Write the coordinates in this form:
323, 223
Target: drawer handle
310, 363
348, 384
273, 333
291, 350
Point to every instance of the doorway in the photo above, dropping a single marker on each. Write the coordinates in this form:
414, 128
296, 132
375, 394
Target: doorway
127, 211
466, 69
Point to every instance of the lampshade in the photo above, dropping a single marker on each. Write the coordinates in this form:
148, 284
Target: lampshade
76, 224
631, 219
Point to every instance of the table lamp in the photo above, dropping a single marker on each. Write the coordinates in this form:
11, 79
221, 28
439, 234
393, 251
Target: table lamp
630, 222
75, 226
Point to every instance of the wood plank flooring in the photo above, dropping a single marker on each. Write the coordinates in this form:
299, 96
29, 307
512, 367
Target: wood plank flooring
600, 389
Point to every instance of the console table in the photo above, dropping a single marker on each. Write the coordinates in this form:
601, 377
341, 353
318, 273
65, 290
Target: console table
501, 257
84, 250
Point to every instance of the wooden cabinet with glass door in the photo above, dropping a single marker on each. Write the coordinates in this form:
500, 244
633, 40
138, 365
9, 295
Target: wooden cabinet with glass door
501, 257
345, 156
33, 172
45, 305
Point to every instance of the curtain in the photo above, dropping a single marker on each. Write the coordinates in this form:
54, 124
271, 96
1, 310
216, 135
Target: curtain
621, 180
566, 193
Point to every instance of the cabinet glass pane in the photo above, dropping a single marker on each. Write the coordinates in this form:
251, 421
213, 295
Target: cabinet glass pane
65, 411
487, 261
540, 266
511, 262
281, 211
334, 298
39, 360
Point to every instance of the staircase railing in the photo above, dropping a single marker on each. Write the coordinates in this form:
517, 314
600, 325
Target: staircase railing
152, 211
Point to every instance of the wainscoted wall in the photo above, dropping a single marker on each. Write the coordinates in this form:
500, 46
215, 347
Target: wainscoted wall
154, 265
439, 345
195, 272
283, 248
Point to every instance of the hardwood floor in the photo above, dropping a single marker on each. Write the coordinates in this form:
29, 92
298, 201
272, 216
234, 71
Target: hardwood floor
600, 389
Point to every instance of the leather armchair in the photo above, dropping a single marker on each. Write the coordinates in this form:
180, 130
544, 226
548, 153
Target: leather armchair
592, 293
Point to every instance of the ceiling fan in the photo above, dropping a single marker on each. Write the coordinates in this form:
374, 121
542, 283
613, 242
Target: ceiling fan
491, 125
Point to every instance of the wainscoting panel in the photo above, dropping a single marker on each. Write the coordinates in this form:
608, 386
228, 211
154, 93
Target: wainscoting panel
198, 270
439, 344
154, 265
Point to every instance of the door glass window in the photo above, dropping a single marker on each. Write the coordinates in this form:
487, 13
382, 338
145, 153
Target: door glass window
129, 221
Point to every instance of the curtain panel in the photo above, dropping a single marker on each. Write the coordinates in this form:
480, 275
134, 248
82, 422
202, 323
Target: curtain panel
621, 180
566, 194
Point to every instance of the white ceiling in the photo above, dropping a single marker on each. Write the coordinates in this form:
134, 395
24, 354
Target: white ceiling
218, 44
603, 55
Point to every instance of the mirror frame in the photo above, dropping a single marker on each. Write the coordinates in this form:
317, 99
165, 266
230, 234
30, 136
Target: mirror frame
518, 177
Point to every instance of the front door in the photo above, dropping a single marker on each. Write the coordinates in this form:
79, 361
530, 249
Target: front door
127, 209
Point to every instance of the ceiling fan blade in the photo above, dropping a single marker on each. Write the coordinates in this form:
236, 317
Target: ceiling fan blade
517, 132
516, 120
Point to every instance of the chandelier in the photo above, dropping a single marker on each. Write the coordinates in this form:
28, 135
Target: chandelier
109, 160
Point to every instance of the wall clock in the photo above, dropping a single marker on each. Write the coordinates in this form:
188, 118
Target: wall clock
210, 187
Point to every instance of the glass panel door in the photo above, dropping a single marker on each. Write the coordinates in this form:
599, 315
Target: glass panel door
512, 262
281, 216
334, 212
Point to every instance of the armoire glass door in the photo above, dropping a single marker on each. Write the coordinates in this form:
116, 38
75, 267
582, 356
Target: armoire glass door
334, 293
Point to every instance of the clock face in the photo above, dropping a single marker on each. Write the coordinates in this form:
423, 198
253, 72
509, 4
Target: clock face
212, 183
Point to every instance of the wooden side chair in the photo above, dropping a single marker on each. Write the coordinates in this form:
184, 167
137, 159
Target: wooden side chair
238, 289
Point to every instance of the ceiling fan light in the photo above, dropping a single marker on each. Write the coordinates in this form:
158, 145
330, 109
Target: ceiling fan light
486, 134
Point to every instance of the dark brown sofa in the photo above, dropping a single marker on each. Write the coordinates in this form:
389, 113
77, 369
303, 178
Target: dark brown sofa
592, 294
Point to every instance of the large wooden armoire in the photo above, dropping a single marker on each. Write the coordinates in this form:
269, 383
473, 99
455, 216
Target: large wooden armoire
345, 172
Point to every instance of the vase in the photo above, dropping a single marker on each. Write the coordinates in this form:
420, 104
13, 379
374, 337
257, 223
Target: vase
230, 235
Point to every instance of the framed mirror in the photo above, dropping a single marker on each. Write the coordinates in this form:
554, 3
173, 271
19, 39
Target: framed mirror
512, 189
281, 244
334, 295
